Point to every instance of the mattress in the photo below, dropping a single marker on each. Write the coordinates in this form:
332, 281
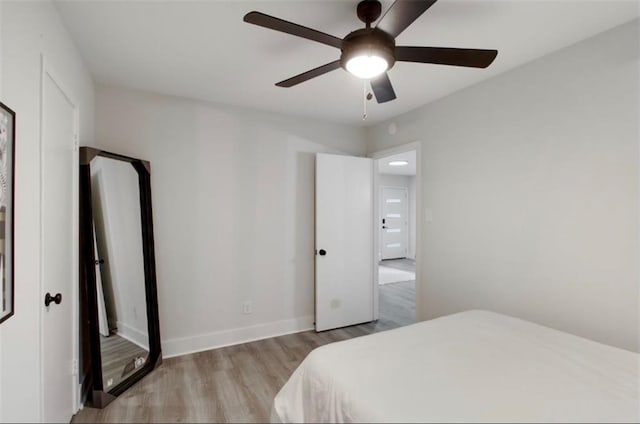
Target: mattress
475, 366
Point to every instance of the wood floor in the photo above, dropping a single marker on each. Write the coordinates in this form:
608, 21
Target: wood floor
403, 264
238, 383
118, 356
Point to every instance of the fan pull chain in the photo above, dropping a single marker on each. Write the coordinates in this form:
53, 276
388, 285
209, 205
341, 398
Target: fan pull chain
364, 100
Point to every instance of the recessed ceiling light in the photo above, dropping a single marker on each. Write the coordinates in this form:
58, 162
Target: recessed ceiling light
398, 163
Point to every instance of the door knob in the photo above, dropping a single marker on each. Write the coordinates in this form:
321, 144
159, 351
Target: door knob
57, 299
322, 252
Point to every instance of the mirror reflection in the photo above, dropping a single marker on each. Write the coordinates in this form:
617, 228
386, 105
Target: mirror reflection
120, 279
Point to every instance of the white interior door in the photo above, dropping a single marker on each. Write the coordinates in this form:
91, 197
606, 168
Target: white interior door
344, 241
59, 164
395, 222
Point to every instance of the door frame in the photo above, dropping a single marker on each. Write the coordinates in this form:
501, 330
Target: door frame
379, 154
380, 207
48, 71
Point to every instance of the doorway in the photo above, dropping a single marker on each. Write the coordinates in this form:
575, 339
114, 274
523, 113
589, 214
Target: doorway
395, 230
348, 256
394, 210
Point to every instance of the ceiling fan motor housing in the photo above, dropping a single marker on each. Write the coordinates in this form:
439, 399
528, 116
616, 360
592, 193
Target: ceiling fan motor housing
368, 11
368, 41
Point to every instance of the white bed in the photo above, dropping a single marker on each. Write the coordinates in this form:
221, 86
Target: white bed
474, 366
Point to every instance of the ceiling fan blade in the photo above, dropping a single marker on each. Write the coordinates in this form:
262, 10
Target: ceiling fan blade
401, 14
278, 24
305, 76
473, 58
382, 88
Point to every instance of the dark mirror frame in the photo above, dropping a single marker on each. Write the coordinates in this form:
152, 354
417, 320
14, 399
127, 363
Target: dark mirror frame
93, 392
7, 281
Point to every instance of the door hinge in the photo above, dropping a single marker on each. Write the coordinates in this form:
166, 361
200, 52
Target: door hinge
74, 367
76, 142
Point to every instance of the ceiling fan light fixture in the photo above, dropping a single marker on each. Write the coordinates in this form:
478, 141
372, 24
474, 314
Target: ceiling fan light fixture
367, 53
367, 66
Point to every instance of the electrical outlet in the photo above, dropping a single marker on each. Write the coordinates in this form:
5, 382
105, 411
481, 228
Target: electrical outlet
247, 307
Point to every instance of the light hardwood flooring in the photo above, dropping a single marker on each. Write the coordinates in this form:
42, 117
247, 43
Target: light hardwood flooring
238, 383
118, 355
404, 264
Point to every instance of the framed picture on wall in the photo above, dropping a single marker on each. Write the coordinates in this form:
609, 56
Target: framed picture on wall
7, 148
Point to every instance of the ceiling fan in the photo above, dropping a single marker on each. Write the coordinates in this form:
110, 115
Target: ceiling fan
369, 52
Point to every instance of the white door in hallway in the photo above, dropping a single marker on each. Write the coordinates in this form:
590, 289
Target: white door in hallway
394, 238
344, 241
59, 249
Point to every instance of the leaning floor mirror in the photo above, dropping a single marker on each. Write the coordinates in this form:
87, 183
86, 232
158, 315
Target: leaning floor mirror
119, 325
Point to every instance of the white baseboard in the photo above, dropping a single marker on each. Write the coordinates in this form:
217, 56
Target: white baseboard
186, 345
133, 335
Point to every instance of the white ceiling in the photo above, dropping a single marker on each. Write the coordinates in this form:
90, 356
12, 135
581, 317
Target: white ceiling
203, 49
410, 169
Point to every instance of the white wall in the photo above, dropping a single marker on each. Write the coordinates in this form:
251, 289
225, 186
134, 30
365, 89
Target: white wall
29, 29
393, 180
233, 209
408, 182
118, 226
532, 182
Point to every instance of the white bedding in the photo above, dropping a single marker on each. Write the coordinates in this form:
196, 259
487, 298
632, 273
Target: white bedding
468, 367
